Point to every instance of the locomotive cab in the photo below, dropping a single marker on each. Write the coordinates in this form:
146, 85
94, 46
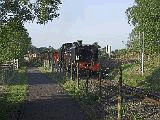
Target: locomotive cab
85, 55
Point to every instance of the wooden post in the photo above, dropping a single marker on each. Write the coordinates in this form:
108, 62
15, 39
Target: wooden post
51, 66
120, 96
71, 71
14, 61
87, 81
143, 55
44, 63
77, 76
66, 71
17, 64
100, 83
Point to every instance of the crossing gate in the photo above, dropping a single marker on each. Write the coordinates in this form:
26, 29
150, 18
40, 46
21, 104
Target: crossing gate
7, 71
13, 62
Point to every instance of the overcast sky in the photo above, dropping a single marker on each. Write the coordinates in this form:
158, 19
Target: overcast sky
102, 21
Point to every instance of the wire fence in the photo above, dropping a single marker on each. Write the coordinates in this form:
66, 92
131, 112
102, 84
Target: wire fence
7, 72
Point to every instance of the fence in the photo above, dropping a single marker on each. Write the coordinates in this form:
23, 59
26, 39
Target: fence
7, 71
13, 62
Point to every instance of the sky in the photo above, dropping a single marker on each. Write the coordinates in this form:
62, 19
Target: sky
102, 21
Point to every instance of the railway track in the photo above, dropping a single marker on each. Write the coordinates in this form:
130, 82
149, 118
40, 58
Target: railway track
136, 101
155, 96
147, 103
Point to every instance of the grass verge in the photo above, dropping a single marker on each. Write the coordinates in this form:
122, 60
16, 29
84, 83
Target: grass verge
88, 101
13, 94
149, 81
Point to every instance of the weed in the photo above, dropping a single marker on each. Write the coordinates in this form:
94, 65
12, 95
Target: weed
132, 75
14, 94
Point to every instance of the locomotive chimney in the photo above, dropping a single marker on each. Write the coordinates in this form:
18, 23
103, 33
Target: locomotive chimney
79, 42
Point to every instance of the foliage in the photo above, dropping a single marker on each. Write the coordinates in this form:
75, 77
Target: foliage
45, 49
149, 81
41, 50
102, 53
88, 101
13, 95
57, 77
14, 40
28, 10
70, 86
145, 17
117, 52
134, 43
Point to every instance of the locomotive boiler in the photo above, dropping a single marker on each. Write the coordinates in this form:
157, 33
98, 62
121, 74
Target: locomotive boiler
85, 55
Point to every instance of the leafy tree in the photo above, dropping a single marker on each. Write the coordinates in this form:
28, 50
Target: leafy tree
14, 40
40, 10
134, 44
45, 50
144, 15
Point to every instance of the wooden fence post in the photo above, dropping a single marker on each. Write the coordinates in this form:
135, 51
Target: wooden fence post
51, 66
120, 96
3, 76
66, 71
77, 76
17, 64
71, 71
100, 83
87, 72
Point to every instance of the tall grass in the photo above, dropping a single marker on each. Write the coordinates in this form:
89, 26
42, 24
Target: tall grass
88, 100
13, 94
70, 86
150, 80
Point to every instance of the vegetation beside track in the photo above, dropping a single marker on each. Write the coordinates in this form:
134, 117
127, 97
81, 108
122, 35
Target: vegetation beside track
88, 100
149, 81
131, 75
13, 95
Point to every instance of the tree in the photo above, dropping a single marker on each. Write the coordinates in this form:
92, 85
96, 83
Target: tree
144, 15
14, 40
41, 10
134, 44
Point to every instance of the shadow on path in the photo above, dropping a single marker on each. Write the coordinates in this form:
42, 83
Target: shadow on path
45, 101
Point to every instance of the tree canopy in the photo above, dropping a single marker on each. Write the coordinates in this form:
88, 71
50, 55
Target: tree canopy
39, 10
144, 15
14, 40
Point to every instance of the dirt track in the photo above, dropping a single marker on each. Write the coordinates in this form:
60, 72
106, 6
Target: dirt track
46, 102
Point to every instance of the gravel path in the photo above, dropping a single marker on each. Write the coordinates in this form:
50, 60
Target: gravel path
45, 101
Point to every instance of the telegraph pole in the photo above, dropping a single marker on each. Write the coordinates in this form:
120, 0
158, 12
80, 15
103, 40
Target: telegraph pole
143, 55
77, 76
71, 71
120, 98
108, 50
142, 51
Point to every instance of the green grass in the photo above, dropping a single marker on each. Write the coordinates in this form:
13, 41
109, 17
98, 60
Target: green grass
58, 77
150, 80
70, 86
13, 94
86, 100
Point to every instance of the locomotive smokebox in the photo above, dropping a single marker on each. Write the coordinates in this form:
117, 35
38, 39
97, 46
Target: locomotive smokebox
79, 42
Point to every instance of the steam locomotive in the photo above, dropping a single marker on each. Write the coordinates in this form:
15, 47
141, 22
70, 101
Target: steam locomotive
85, 56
